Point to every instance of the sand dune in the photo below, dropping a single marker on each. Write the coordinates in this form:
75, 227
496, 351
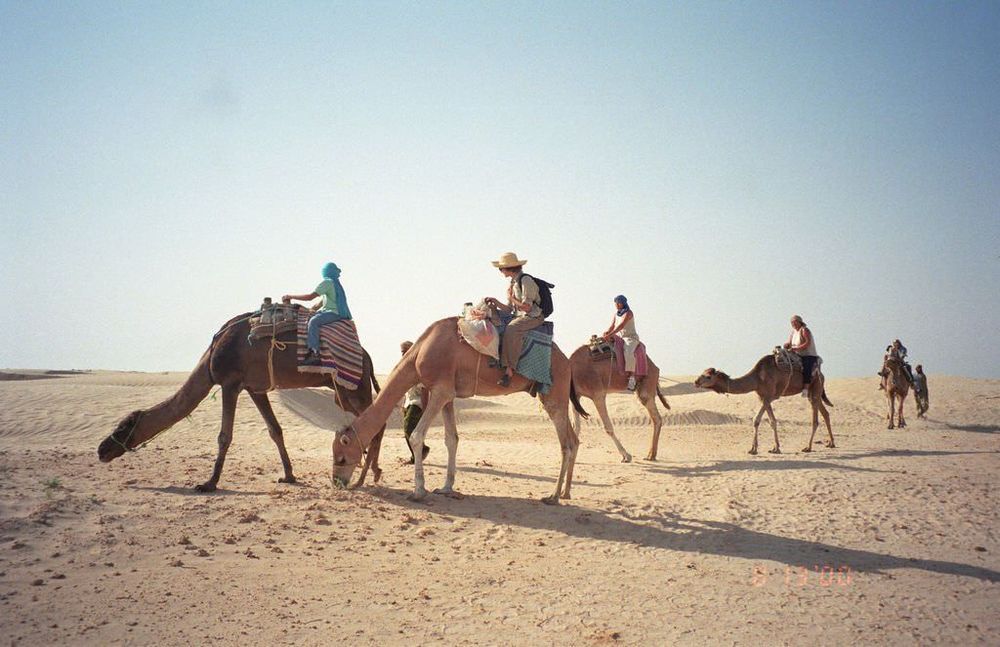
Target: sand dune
891, 537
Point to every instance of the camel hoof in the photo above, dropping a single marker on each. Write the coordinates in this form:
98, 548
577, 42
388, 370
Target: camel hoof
831, 446
650, 457
776, 450
417, 495
376, 474
449, 492
892, 427
550, 500
753, 452
627, 458
205, 487
287, 479
807, 450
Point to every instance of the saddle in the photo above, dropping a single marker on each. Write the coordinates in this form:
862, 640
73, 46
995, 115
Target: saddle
787, 360
272, 319
600, 349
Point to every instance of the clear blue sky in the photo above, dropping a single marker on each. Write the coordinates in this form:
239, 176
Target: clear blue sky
164, 166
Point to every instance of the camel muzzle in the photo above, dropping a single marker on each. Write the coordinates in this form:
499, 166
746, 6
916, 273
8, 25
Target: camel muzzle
108, 451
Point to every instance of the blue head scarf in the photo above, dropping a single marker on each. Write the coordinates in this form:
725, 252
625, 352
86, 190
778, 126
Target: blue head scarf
623, 302
332, 273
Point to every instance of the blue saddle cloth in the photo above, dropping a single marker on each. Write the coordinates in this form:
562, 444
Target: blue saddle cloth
535, 362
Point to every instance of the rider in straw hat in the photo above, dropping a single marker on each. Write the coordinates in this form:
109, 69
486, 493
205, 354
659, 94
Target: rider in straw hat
524, 301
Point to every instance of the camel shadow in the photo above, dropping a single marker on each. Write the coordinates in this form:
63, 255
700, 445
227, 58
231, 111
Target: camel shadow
978, 429
677, 533
882, 453
754, 465
190, 491
529, 477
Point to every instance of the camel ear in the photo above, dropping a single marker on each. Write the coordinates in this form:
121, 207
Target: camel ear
710, 371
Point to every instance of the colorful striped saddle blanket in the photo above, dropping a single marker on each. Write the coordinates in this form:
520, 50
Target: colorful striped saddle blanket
340, 350
641, 367
535, 362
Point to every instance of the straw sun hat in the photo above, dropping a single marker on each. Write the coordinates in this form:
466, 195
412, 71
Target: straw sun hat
509, 259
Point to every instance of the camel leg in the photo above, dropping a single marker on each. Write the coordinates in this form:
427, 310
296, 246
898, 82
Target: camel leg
826, 419
774, 426
230, 393
575, 447
274, 429
648, 400
451, 442
815, 409
569, 444
756, 426
602, 410
892, 411
371, 460
435, 402
902, 421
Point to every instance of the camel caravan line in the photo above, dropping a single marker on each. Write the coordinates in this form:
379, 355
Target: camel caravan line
262, 351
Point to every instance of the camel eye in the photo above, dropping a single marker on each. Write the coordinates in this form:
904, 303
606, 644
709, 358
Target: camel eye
344, 440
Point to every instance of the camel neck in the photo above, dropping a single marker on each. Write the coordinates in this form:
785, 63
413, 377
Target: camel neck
372, 419
167, 413
744, 383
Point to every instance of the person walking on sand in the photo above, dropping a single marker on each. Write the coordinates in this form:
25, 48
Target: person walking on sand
623, 325
801, 342
920, 391
524, 300
413, 408
331, 307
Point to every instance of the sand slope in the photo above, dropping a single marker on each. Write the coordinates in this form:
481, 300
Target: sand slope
890, 537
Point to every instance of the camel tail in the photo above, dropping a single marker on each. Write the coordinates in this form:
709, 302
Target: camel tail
576, 401
662, 399
375, 384
826, 400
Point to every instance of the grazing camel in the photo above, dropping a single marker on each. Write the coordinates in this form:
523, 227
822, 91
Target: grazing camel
896, 388
449, 368
237, 365
595, 380
771, 382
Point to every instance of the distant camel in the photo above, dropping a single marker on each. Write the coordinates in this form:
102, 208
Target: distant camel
771, 382
896, 388
450, 368
595, 380
237, 365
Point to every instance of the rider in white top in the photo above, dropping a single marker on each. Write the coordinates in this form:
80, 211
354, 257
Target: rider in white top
623, 324
802, 343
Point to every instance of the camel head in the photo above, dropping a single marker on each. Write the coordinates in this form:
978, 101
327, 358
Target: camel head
347, 454
124, 436
712, 379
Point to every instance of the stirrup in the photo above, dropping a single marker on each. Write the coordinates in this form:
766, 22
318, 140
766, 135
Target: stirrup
504, 380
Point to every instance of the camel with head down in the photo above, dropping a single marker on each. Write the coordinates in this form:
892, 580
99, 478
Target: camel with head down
449, 368
771, 382
237, 365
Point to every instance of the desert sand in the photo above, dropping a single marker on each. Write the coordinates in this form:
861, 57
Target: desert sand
892, 537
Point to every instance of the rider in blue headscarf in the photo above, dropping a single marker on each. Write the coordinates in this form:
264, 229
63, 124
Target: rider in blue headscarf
623, 325
333, 307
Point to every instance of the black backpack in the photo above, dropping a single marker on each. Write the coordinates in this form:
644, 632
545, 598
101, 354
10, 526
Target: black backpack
544, 293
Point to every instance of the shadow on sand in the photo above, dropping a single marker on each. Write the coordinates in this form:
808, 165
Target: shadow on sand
190, 491
766, 463
978, 429
517, 475
673, 532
